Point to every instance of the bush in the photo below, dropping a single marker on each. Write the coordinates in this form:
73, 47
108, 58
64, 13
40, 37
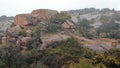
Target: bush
36, 30
84, 28
12, 25
22, 32
33, 44
53, 28
60, 17
67, 50
11, 57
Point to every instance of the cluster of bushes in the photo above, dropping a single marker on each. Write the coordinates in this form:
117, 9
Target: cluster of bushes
84, 28
67, 54
22, 32
70, 54
53, 28
56, 21
108, 29
60, 17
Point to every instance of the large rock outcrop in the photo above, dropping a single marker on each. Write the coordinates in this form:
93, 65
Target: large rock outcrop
13, 31
68, 25
23, 19
36, 16
43, 14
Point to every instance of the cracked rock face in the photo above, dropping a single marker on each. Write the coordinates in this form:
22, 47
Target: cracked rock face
35, 17
43, 13
23, 19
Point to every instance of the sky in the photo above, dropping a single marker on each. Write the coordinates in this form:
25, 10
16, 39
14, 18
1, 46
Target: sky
13, 7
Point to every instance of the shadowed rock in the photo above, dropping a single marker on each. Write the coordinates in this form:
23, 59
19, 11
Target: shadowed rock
23, 19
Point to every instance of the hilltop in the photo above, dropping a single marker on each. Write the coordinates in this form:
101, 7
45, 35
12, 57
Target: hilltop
96, 16
89, 23
45, 38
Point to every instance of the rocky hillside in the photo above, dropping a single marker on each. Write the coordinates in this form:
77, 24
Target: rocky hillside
5, 22
45, 21
66, 38
97, 16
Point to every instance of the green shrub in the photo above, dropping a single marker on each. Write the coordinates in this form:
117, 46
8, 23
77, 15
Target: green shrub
12, 25
22, 32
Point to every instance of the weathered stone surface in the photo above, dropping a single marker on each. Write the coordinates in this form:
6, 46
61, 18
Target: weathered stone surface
14, 30
23, 19
43, 13
28, 31
68, 25
4, 40
51, 39
37, 16
23, 41
12, 40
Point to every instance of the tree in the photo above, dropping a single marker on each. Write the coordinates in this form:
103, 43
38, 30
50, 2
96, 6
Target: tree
109, 30
36, 41
60, 17
84, 63
66, 51
109, 59
22, 32
84, 27
37, 30
53, 28
13, 24
11, 57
